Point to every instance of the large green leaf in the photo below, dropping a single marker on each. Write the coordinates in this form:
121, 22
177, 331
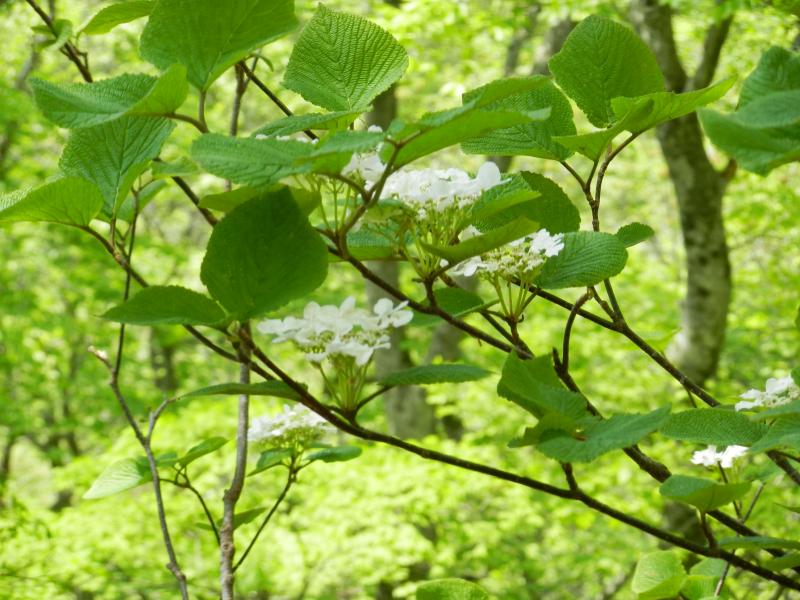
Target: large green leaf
263, 254
634, 233
118, 477
758, 541
588, 258
295, 123
69, 200
494, 238
435, 131
602, 60
249, 161
276, 389
342, 62
705, 495
764, 132
116, 14
595, 144
205, 447
335, 454
167, 305
430, 374
658, 575
665, 106
269, 458
451, 589
530, 196
111, 155
531, 139
534, 386
74, 105
717, 426
783, 433
620, 431
208, 36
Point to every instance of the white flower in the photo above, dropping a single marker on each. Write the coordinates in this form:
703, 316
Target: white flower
516, 259
375, 129
368, 166
777, 391
332, 331
429, 192
291, 427
710, 457
391, 316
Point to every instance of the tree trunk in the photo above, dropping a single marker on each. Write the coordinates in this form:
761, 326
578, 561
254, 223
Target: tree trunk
699, 189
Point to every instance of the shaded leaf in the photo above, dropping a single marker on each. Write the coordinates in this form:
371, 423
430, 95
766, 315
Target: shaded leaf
588, 258
167, 305
208, 446
431, 374
703, 494
716, 426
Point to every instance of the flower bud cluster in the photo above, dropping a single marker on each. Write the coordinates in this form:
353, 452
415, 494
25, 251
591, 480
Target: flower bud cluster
340, 331
777, 391
292, 427
518, 259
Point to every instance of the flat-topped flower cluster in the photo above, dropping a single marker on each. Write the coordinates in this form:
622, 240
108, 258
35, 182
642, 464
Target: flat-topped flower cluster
292, 427
340, 331
517, 259
777, 391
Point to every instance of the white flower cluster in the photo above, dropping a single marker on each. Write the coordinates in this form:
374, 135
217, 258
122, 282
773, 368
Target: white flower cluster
778, 391
430, 192
331, 331
291, 427
710, 457
516, 259
368, 166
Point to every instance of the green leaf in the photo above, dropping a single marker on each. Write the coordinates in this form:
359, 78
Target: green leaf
337, 454
531, 139
277, 389
534, 386
245, 517
69, 201
333, 152
179, 168
270, 458
602, 60
620, 431
333, 120
227, 201
494, 238
450, 589
249, 161
457, 302
208, 37
758, 542
757, 150
787, 561
111, 155
716, 426
438, 130
208, 446
430, 374
57, 36
118, 477
782, 410
76, 105
634, 233
341, 62
594, 145
262, 255
703, 494
658, 575
783, 433
167, 305
526, 195
588, 258
778, 70
368, 244
117, 14
665, 106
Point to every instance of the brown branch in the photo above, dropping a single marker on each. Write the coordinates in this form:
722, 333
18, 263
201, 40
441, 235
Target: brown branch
715, 38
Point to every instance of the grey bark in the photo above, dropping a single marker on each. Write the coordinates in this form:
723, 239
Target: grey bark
408, 413
699, 189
